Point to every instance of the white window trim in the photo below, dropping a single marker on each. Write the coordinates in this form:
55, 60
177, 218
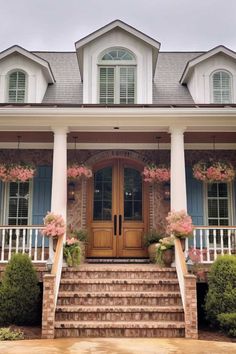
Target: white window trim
231, 85
230, 203
6, 203
7, 84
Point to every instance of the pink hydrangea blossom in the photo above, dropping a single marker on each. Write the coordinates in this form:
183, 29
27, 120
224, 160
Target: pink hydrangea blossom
179, 224
54, 225
78, 171
214, 171
156, 174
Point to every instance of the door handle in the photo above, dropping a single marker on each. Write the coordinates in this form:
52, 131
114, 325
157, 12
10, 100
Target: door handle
120, 224
115, 225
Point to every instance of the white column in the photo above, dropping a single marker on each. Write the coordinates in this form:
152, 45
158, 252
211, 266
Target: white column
178, 178
59, 172
59, 176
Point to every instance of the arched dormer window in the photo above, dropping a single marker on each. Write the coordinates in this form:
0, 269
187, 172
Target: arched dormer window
117, 77
221, 87
16, 87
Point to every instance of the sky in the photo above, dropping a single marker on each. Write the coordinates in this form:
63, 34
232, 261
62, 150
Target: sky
180, 25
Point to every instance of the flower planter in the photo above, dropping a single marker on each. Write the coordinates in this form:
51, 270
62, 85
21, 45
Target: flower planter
168, 257
152, 249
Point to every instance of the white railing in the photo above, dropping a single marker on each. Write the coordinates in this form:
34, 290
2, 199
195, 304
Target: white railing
23, 239
212, 241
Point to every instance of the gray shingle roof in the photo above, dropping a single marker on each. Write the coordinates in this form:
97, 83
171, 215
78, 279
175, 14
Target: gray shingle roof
68, 88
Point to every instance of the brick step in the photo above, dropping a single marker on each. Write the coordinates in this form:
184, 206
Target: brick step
119, 285
119, 313
120, 273
119, 298
119, 329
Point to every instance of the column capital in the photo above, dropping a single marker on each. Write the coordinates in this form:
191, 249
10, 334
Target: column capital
176, 129
60, 129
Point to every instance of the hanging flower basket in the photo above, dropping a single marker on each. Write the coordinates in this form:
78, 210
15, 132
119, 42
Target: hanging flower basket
214, 171
54, 225
179, 224
156, 174
18, 172
76, 171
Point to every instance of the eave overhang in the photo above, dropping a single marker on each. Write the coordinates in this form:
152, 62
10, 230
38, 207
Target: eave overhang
46, 68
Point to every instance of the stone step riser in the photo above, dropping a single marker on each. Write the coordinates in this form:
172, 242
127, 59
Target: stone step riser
118, 287
124, 332
119, 301
117, 275
125, 316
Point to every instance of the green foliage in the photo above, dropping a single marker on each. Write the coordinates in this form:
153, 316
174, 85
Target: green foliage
221, 296
152, 237
72, 254
19, 292
228, 323
8, 334
81, 235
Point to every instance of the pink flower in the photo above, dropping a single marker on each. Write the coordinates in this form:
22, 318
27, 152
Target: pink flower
155, 174
54, 225
179, 224
214, 171
16, 172
79, 171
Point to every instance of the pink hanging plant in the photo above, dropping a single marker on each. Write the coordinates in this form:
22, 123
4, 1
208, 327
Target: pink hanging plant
179, 224
214, 171
156, 174
78, 171
16, 172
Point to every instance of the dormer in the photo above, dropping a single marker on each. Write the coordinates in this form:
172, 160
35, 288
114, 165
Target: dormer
24, 77
211, 77
117, 64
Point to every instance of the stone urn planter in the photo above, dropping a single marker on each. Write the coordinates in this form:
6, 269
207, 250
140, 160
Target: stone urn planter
152, 252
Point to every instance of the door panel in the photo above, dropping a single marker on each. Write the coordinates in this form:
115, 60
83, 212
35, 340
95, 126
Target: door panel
118, 211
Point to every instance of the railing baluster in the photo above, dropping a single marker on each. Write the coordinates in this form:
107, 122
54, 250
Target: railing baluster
10, 244
229, 241
30, 243
3, 245
208, 245
214, 243
201, 247
222, 241
17, 240
35, 245
23, 241
42, 250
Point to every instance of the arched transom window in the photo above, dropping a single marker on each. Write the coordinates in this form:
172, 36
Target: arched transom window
16, 87
117, 77
221, 87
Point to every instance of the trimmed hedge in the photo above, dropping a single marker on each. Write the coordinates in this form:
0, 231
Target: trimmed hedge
221, 296
19, 292
228, 323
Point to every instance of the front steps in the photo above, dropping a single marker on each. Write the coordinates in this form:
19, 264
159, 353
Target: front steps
107, 300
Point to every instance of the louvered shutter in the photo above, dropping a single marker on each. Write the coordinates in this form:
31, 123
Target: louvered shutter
107, 89
221, 87
127, 85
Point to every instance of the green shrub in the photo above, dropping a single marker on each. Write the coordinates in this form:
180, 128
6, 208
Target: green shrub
151, 237
228, 323
221, 296
19, 292
8, 334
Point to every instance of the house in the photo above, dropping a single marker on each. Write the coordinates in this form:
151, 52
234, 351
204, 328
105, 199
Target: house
117, 104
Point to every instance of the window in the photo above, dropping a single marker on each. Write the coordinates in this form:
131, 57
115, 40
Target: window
16, 87
18, 203
117, 77
218, 204
221, 87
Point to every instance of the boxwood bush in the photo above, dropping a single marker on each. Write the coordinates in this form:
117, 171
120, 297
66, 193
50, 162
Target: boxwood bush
19, 292
228, 323
221, 296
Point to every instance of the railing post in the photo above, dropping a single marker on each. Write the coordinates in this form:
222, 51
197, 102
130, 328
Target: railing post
191, 325
48, 315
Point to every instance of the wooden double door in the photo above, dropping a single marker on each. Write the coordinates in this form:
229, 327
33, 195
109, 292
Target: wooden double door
118, 210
